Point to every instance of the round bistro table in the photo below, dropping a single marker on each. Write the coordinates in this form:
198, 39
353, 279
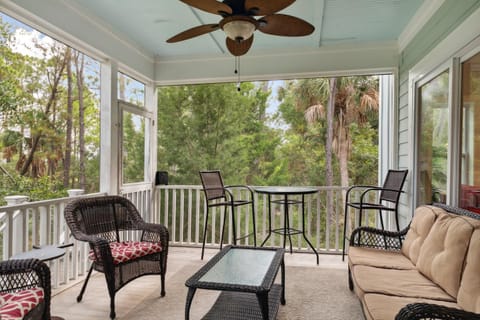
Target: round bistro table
286, 230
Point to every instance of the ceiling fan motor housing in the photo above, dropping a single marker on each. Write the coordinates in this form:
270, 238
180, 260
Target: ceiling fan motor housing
239, 27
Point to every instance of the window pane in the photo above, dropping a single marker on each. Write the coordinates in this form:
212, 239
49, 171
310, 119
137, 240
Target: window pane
470, 161
433, 141
133, 147
131, 90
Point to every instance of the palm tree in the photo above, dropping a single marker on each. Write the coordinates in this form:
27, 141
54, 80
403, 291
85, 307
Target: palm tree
355, 99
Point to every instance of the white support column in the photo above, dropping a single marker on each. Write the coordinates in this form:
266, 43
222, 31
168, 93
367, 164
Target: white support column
151, 98
109, 130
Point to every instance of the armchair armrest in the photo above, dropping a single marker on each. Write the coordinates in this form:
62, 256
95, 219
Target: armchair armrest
238, 186
24, 274
9, 268
377, 238
432, 311
154, 232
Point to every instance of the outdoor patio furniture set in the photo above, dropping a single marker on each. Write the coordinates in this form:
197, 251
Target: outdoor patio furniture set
427, 271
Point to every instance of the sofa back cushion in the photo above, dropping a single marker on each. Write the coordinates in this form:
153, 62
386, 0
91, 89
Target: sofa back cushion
469, 292
443, 252
420, 226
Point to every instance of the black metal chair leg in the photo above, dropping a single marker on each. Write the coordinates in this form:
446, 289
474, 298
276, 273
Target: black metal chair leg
381, 219
80, 296
344, 231
204, 233
254, 226
232, 207
223, 226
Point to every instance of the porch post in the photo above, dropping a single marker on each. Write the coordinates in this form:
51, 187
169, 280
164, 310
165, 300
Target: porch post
109, 129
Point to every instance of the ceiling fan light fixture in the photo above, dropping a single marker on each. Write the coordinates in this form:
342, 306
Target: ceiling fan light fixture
239, 28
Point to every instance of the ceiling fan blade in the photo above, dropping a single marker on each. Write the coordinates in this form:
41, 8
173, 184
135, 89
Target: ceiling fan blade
212, 6
239, 48
266, 7
194, 32
285, 25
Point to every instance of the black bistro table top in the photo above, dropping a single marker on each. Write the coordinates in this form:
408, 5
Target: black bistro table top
246, 276
286, 190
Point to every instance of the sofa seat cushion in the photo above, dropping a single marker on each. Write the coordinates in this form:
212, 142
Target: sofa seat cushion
469, 291
378, 258
405, 283
422, 222
15, 305
385, 307
129, 250
443, 252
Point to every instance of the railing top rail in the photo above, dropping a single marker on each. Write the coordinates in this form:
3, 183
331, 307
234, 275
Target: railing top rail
195, 187
41, 203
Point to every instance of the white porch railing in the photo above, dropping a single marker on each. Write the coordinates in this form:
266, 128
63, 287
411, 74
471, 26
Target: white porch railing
182, 209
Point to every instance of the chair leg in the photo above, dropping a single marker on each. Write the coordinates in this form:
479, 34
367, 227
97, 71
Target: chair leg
396, 220
205, 233
381, 220
162, 274
80, 296
223, 226
232, 208
254, 226
344, 231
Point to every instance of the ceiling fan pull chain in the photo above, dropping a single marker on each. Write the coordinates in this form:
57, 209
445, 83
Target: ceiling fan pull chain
237, 71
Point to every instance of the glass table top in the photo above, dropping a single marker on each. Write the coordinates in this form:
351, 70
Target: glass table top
241, 267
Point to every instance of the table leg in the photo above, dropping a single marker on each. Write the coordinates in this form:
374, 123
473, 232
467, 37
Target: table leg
263, 302
282, 297
286, 225
190, 294
269, 221
303, 229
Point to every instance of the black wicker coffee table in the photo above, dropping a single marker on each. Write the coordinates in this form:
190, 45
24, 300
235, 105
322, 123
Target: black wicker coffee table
246, 277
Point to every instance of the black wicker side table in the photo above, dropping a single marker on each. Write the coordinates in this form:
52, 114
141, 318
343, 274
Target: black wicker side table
246, 277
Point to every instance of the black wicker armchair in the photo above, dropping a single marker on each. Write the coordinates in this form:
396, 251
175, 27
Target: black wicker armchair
123, 246
19, 275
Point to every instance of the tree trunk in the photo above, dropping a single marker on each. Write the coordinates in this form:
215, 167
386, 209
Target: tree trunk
328, 145
68, 139
79, 64
58, 71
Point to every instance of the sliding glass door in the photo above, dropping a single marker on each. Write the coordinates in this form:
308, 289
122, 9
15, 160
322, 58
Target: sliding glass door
433, 129
470, 156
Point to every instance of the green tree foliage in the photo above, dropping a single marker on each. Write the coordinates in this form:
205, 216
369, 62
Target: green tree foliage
214, 127
34, 114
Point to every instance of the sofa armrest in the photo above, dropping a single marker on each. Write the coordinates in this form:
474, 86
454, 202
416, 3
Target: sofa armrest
433, 311
377, 238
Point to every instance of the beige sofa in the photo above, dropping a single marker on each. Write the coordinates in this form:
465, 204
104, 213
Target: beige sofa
430, 270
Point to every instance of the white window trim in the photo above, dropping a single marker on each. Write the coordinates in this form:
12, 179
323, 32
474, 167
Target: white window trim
460, 44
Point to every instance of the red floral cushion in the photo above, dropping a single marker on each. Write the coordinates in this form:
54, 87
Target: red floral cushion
15, 305
125, 251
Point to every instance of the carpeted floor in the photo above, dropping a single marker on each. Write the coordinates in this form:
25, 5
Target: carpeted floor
311, 293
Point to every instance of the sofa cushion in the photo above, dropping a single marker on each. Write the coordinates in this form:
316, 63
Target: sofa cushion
422, 222
443, 252
406, 283
378, 258
128, 250
469, 291
380, 306
15, 305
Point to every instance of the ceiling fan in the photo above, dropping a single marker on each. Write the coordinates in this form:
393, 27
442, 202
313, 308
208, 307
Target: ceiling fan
239, 24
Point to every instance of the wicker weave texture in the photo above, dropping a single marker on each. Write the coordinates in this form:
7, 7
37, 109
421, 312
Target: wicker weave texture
23, 274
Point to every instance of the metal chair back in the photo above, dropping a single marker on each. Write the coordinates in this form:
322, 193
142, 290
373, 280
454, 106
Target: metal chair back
394, 181
212, 184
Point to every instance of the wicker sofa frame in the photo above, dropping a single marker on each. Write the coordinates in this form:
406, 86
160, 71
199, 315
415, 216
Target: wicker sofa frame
102, 220
24, 274
388, 240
